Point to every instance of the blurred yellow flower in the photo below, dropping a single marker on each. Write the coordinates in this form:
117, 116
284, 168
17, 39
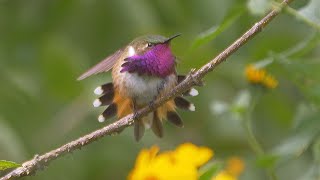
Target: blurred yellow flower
260, 76
224, 175
234, 168
182, 163
190, 154
270, 82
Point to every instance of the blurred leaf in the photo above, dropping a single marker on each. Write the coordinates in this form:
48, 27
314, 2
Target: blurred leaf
7, 164
299, 4
313, 92
316, 150
210, 170
308, 14
305, 46
241, 102
11, 145
301, 139
267, 160
258, 7
303, 111
219, 107
59, 62
312, 173
215, 30
311, 11
306, 75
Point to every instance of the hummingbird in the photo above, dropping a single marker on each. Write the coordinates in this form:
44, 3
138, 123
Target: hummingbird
142, 72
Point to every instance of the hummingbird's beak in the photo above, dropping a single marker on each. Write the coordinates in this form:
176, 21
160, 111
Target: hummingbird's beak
172, 37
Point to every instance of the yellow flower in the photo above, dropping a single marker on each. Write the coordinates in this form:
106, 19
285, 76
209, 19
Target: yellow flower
185, 153
224, 175
270, 82
234, 168
178, 164
260, 76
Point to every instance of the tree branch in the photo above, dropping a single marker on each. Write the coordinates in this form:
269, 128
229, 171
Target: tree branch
195, 77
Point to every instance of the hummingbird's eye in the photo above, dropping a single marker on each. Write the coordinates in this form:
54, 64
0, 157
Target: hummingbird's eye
149, 45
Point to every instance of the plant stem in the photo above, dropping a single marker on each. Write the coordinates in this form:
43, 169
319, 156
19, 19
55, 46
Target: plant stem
252, 140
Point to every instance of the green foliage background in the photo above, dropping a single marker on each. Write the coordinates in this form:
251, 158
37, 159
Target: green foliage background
45, 45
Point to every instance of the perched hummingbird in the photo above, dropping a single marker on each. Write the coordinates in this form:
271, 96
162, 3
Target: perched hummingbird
142, 71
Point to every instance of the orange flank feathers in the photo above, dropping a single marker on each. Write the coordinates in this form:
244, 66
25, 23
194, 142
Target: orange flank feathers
167, 107
124, 105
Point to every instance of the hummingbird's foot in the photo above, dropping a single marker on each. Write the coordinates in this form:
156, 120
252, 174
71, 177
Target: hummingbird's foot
119, 131
135, 110
151, 105
135, 114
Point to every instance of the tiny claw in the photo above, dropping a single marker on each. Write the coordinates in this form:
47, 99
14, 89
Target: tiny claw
119, 130
135, 114
151, 104
197, 82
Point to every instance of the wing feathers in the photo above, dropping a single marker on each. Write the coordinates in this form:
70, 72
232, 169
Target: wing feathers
103, 66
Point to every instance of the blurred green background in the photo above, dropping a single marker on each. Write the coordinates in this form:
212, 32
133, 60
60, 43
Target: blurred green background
46, 45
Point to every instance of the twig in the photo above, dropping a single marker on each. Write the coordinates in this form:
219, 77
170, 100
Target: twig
195, 77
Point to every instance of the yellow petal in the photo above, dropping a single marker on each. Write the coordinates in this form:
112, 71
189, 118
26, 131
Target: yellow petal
235, 166
181, 163
190, 154
270, 82
223, 175
143, 163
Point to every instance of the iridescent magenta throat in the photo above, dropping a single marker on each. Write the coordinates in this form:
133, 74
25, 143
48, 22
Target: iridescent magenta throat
158, 61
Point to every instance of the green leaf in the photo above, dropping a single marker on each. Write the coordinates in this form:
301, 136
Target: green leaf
316, 150
299, 142
309, 14
267, 161
305, 74
259, 7
8, 164
311, 11
303, 47
311, 173
215, 30
210, 170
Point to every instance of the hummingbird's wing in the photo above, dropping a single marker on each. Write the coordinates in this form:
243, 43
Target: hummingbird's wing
103, 66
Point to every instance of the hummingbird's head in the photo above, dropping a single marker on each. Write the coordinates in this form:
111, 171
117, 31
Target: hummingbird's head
147, 43
151, 55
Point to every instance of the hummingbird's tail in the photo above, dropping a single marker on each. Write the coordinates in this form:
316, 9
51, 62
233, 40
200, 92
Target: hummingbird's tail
106, 99
167, 111
122, 106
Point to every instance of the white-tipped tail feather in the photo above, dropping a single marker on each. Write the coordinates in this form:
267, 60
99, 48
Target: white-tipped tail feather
192, 107
184, 104
101, 118
193, 92
96, 103
98, 91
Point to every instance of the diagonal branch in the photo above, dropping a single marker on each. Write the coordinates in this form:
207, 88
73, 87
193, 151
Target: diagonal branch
195, 77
